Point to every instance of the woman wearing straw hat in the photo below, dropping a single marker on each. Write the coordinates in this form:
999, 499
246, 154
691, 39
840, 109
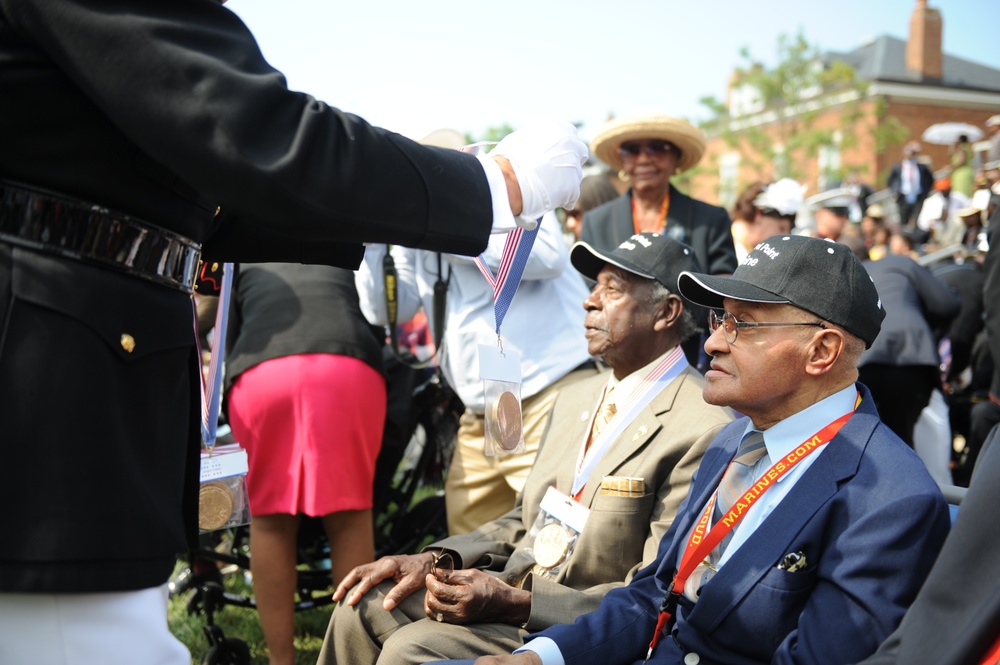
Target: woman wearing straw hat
649, 149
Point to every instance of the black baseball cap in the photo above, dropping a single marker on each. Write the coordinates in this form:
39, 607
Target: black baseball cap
650, 255
817, 275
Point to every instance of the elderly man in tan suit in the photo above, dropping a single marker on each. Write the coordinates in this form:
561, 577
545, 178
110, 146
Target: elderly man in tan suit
614, 466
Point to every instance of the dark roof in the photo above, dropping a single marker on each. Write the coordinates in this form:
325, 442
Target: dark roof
884, 59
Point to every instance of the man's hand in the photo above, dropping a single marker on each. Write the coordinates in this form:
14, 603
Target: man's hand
472, 596
523, 658
513, 189
408, 570
547, 159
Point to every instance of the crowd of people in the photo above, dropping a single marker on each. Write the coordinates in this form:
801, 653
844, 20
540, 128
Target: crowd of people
717, 417
897, 346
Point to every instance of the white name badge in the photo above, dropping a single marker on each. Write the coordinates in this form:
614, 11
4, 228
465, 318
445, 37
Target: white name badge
571, 513
497, 365
223, 461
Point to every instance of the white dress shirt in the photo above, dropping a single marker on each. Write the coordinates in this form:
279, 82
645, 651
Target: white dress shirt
544, 322
909, 187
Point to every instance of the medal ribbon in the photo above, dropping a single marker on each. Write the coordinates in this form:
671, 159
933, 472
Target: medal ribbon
514, 258
211, 388
700, 544
655, 381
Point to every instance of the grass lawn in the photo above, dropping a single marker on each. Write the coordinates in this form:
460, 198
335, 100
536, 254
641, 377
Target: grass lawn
243, 623
187, 621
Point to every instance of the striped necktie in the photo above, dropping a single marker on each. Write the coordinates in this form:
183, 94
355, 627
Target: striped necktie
604, 415
739, 477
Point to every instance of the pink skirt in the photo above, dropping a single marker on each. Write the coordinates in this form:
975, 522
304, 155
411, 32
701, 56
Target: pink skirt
312, 428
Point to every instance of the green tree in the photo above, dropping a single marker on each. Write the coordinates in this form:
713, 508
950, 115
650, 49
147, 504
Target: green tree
772, 118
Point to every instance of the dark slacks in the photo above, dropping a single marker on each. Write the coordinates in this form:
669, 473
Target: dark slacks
900, 392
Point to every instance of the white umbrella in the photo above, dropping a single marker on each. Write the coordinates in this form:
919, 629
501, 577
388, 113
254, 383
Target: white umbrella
946, 133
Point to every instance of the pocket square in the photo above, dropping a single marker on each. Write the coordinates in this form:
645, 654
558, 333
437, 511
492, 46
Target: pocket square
792, 562
622, 486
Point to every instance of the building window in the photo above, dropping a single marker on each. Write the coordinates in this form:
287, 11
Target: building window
729, 167
745, 100
780, 166
828, 164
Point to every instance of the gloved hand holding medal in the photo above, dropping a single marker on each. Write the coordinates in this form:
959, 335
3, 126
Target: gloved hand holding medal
547, 160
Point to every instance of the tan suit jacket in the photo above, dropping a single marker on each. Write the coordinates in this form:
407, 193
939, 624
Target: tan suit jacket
663, 445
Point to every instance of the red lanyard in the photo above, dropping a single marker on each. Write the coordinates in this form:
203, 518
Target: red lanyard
700, 544
993, 656
664, 206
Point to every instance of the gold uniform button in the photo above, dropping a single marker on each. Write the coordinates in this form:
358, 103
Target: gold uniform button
128, 342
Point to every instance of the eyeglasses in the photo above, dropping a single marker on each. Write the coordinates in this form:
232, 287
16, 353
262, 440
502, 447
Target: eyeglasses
443, 566
731, 327
631, 149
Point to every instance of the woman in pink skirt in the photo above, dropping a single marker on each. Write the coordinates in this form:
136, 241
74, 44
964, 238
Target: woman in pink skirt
306, 397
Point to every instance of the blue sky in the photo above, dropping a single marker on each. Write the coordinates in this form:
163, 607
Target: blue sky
416, 66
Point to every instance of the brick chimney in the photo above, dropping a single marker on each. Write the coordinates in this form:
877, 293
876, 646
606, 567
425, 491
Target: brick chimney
923, 50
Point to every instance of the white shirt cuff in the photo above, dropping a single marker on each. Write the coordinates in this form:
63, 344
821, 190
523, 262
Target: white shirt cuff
546, 649
503, 218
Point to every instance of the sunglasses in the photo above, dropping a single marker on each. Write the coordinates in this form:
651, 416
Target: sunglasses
631, 149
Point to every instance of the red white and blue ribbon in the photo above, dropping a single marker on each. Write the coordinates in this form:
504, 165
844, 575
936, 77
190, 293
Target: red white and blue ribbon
211, 387
514, 258
665, 371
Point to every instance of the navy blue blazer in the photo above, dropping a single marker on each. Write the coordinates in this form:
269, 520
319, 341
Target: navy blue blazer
870, 521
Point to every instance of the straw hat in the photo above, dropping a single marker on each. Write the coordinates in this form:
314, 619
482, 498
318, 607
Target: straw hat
688, 138
970, 211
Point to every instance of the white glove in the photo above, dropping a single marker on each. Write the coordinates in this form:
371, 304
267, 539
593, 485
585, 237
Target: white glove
548, 160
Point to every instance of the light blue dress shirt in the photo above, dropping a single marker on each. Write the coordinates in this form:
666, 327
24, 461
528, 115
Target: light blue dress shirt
780, 439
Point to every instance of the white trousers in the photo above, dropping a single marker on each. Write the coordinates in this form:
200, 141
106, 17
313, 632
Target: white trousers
123, 628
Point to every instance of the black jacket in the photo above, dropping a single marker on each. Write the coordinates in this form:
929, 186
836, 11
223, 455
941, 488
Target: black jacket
706, 228
164, 110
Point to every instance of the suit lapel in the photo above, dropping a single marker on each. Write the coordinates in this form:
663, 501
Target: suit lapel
707, 478
634, 437
642, 428
680, 209
621, 227
576, 427
775, 536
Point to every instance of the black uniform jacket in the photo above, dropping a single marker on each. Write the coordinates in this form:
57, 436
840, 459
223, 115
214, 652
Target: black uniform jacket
164, 110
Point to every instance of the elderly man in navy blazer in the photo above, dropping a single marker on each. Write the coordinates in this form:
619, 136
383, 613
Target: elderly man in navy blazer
835, 523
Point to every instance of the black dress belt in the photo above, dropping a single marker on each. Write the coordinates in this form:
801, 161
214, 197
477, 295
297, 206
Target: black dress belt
75, 229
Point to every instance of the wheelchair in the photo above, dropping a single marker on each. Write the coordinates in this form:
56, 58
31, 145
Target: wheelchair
409, 512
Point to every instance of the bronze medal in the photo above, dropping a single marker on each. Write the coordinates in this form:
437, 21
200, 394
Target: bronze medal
215, 505
551, 545
507, 416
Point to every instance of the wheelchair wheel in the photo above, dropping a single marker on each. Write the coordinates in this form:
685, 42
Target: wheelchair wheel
230, 651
